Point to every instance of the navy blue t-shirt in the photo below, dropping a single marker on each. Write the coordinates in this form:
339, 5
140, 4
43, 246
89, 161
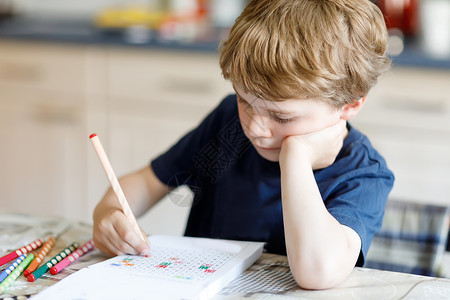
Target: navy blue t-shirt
237, 193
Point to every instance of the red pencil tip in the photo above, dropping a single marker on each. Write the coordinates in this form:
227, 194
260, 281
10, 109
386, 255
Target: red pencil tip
31, 278
92, 135
53, 271
26, 273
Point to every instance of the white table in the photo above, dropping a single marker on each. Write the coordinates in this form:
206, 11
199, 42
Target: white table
268, 278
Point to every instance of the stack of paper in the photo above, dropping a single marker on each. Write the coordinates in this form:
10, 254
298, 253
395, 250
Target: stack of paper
178, 268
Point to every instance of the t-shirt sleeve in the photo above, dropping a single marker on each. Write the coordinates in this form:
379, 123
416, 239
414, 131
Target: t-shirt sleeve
359, 198
365, 219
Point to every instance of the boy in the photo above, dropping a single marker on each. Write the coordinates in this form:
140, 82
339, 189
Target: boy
277, 162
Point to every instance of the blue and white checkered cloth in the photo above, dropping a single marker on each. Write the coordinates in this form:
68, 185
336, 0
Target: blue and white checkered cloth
412, 239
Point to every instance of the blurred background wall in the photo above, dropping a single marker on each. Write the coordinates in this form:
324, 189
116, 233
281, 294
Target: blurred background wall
142, 73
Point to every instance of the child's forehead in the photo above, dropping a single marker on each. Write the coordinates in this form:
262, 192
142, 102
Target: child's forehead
249, 96
255, 100
252, 98
281, 107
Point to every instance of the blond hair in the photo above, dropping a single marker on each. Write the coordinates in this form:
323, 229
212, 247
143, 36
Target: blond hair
333, 50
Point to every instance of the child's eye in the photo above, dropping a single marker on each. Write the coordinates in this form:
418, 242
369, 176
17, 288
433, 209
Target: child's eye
281, 120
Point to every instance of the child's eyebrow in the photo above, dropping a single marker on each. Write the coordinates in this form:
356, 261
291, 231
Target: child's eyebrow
278, 112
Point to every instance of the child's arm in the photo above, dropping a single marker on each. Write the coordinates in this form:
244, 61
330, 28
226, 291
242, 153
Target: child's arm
321, 251
113, 233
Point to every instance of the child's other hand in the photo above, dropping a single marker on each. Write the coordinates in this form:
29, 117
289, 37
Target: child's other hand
114, 235
320, 147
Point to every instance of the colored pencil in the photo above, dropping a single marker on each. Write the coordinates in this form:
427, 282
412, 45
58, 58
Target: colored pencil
18, 252
49, 264
115, 183
38, 259
72, 257
16, 273
11, 268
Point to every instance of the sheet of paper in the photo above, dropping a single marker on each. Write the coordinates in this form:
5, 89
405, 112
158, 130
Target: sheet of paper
178, 267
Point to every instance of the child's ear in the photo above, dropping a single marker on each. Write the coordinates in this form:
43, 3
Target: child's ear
350, 110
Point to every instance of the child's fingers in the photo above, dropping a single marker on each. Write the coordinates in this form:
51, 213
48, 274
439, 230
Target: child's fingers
118, 246
145, 237
103, 243
146, 248
132, 238
115, 235
106, 233
107, 249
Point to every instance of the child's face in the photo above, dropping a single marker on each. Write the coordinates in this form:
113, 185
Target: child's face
268, 123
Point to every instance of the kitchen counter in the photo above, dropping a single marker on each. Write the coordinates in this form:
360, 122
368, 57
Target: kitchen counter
83, 31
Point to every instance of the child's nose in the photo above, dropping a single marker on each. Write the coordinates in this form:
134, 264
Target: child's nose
258, 126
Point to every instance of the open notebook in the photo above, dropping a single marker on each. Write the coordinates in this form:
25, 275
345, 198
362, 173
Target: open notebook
178, 268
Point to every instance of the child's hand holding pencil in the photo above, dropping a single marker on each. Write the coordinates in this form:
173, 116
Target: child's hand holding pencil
116, 230
113, 234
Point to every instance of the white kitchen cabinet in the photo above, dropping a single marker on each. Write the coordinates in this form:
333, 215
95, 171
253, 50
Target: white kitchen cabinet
42, 117
407, 117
